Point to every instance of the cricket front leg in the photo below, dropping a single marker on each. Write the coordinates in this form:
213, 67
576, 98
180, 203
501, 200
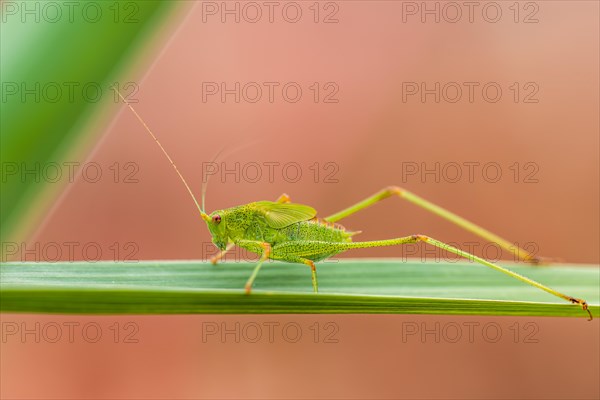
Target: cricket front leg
518, 252
264, 249
215, 259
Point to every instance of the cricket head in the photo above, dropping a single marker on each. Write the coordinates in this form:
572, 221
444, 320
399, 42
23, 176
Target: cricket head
217, 226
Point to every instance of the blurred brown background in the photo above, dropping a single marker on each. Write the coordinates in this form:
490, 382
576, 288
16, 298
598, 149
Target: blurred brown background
542, 137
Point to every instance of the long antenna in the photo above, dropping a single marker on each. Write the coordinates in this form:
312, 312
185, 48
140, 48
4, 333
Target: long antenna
205, 181
215, 158
202, 213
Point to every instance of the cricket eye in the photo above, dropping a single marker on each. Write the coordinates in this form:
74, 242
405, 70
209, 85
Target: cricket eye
216, 219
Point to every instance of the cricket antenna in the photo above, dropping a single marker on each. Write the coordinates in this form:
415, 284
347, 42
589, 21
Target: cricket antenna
201, 209
206, 177
205, 181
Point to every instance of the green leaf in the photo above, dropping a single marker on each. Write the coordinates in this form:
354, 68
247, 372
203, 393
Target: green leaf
56, 74
346, 286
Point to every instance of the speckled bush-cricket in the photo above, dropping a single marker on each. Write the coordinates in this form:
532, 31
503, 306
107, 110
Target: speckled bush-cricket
290, 232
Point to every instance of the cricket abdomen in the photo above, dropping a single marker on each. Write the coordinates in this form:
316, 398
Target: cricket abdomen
314, 230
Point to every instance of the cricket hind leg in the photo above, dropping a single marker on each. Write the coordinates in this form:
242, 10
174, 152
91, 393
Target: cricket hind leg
469, 256
304, 249
518, 252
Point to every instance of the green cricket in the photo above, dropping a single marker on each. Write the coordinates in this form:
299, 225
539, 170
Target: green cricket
291, 232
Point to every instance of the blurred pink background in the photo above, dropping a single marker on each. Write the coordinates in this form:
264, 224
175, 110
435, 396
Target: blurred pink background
370, 136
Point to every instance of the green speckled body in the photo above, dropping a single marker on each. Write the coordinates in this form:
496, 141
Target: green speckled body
246, 225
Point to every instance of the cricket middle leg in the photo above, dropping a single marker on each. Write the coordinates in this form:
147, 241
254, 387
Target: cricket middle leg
264, 249
284, 198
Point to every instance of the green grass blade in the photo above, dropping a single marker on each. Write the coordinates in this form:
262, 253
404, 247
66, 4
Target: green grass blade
55, 76
346, 286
